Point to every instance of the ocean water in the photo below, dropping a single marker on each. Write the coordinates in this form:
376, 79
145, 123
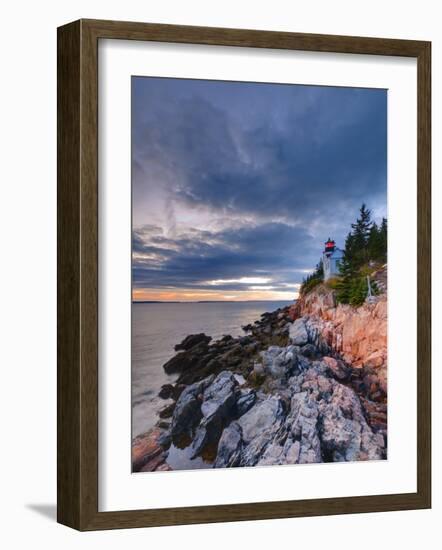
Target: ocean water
157, 328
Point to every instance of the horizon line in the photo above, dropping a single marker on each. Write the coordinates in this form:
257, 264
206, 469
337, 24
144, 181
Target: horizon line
203, 301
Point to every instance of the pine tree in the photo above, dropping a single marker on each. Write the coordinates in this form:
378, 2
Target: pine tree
366, 242
375, 245
383, 239
358, 291
361, 234
347, 271
320, 269
313, 279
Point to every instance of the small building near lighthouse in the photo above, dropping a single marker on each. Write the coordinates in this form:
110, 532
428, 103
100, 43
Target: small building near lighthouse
331, 258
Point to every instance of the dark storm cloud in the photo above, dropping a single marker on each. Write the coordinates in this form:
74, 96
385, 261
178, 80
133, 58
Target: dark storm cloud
282, 156
333, 150
274, 250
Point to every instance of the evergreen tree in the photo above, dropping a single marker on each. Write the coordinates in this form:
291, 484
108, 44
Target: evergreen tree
374, 242
383, 240
361, 233
366, 242
313, 279
361, 228
358, 291
347, 271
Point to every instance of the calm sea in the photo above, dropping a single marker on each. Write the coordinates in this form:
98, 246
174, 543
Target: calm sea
157, 328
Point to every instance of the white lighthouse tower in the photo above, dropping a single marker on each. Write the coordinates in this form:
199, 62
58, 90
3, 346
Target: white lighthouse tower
331, 258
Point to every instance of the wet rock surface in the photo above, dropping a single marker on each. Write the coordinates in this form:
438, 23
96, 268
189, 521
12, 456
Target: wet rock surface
147, 453
192, 340
280, 394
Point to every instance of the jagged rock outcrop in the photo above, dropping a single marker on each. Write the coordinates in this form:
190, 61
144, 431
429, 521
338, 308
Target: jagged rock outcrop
298, 332
147, 453
218, 405
358, 335
187, 412
304, 413
199, 357
322, 422
306, 384
193, 340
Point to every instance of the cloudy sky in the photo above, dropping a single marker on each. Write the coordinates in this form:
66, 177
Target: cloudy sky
236, 186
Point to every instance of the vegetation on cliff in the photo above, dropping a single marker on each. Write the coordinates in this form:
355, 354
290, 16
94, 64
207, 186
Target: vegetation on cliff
313, 279
365, 250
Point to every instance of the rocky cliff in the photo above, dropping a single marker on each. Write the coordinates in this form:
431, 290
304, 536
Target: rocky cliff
306, 383
359, 335
356, 335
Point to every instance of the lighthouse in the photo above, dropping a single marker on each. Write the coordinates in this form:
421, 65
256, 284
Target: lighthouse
331, 257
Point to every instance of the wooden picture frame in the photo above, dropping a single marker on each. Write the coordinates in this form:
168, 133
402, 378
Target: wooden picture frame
78, 274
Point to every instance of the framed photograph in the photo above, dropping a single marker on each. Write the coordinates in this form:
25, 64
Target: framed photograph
243, 274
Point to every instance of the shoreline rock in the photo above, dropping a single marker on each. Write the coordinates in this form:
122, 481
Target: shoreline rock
285, 393
147, 453
357, 335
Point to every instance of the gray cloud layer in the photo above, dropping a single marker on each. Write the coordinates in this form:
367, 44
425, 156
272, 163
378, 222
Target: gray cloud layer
270, 250
275, 169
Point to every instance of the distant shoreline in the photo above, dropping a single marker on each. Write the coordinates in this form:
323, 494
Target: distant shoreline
213, 302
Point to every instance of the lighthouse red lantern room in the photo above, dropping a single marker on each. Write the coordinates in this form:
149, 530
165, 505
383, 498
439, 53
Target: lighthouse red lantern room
330, 245
331, 258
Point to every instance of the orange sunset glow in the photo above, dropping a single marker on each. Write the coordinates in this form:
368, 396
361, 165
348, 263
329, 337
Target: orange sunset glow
184, 295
